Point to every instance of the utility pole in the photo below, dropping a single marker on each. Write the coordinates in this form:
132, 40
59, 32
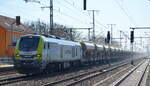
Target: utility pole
51, 15
93, 26
126, 38
89, 34
141, 42
93, 12
51, 12
120, 38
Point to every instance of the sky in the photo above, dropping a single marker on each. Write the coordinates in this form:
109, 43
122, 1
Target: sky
123, 13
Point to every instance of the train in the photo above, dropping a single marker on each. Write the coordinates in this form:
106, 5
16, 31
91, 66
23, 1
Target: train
40, 53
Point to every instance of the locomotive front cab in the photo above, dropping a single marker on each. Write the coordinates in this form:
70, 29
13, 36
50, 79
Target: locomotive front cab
28, 55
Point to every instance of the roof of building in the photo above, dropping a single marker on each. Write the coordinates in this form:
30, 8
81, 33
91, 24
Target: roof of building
9, 24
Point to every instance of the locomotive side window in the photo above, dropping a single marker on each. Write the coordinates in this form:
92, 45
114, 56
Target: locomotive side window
76, 51
44, 45
61, 49
48, 45
73, 51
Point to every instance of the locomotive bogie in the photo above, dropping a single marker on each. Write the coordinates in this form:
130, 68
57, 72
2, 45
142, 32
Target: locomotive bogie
28, 66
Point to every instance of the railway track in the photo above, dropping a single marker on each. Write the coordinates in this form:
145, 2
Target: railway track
10, 74
5, 69
110, 79
7, 72
73, 80
14, 79
20, 77
134, 77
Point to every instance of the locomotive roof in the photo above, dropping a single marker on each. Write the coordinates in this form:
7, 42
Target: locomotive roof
61, 41
54, 40
100, 47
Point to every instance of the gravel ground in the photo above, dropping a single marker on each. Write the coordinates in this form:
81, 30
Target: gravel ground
92, 81
6, 68
52, 77
40, 80
9, 75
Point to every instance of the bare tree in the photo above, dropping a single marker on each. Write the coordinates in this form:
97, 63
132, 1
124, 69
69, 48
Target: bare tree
58, 30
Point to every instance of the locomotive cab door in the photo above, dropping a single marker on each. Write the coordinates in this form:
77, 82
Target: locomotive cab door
45, 51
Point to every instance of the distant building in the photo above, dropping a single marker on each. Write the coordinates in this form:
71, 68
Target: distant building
9, 34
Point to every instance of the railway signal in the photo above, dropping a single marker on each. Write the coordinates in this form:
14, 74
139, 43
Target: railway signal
132, 40
84, 4
108, 37
132, 37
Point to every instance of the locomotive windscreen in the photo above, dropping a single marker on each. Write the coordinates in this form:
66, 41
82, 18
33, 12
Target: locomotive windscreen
29, 43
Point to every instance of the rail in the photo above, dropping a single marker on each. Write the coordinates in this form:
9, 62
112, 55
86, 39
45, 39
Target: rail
126, 77
84, 76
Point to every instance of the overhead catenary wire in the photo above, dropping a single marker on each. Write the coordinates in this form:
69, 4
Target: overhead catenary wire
70, 11
125, 12
80, 11
77, 8
87, 14
72, 17
101, 24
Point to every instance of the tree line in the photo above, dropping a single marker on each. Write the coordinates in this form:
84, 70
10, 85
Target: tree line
63, 31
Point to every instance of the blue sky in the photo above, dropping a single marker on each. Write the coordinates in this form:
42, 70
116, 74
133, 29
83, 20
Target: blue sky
123, 13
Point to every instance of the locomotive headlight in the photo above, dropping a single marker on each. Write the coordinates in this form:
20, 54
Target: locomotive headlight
17, 55
38, 55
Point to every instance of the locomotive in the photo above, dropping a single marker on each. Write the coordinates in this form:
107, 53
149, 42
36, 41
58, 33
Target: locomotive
38, 53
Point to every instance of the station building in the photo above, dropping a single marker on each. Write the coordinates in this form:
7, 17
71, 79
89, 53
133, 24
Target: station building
9, 34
